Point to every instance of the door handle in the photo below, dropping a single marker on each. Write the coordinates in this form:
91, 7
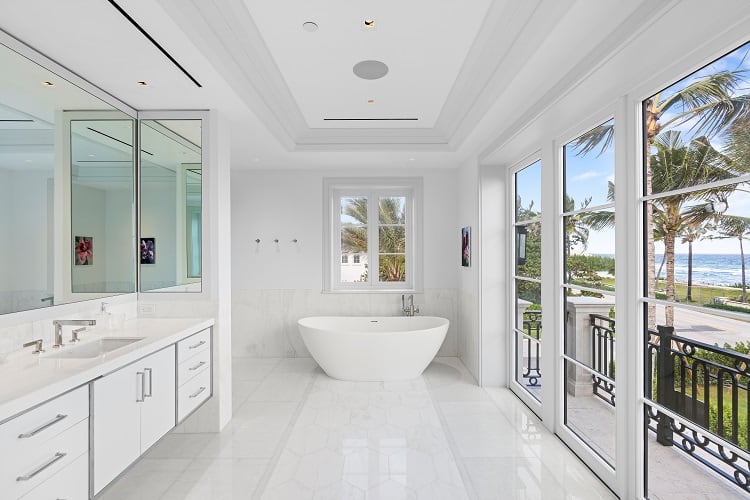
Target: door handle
142, 385
150, 385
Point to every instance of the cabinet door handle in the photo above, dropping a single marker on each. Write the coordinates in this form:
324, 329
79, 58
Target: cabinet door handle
197, 366
48, 463
39, 429
195, 346
142, 385
150, 385
196, 393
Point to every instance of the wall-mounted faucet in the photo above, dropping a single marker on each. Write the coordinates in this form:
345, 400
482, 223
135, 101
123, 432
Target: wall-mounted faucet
409, 310
59, 323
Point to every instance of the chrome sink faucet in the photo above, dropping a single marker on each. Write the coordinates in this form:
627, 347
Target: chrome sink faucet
409, 310
59, 323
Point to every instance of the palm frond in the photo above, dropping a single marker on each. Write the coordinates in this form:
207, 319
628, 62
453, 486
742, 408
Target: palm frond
602, 137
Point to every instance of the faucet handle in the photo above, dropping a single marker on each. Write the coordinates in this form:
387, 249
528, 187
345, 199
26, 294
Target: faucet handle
74, 334
37, 345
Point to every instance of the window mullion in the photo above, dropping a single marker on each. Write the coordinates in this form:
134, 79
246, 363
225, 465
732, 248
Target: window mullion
373, 252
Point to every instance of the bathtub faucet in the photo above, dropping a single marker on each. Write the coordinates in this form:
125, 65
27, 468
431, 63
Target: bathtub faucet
409, 310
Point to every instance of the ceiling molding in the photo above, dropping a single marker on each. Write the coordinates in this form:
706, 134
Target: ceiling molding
630, 28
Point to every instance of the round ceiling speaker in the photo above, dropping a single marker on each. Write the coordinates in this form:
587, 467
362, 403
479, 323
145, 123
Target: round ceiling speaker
370, 70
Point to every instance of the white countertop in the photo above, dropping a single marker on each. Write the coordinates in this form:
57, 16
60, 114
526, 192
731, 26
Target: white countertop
27, 379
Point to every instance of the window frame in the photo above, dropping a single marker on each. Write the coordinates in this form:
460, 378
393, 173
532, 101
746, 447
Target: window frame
373, 188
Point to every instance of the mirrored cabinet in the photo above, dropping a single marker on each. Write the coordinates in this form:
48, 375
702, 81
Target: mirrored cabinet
171, 216
67, 194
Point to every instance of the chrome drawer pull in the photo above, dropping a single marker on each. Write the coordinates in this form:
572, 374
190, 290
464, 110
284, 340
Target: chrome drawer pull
195, 395
197, 366
39, 429
150, 385
48, 463
142, 397
197, 345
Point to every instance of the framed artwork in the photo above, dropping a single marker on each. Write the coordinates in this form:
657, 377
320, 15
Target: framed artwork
83, 251
148, 250
466, 246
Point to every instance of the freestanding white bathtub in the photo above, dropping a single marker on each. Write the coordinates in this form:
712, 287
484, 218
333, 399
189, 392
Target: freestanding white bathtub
383, 348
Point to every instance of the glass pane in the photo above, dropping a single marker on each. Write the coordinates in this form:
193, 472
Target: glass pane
529, 192
527, 341
392, 210
353, 268
354, 240
589, 245
590, 168
171, 205
392, 267
354, 210
392, 239
529, 250
589, 394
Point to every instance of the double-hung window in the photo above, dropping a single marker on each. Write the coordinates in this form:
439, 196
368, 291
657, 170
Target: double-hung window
371, 241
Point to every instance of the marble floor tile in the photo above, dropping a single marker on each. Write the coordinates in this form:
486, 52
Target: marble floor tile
297, 434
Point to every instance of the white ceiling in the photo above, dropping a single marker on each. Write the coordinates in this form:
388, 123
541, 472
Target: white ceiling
472, 72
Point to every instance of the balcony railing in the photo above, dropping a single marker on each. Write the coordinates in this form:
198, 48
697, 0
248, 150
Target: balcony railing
532, 326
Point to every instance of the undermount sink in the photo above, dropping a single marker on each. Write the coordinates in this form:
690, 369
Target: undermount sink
93, 348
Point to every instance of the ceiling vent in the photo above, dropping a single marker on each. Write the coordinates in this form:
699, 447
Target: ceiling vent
370, 70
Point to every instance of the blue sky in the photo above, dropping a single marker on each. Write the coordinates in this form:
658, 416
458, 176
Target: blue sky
588, 175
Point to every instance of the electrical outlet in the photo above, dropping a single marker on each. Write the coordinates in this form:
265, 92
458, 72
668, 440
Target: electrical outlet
147, 309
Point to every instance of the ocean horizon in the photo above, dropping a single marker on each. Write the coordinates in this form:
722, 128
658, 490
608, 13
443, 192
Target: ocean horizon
708, 269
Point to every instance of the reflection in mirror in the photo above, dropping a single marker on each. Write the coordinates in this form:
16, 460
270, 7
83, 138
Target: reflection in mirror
171, 216
101, 182
37, 253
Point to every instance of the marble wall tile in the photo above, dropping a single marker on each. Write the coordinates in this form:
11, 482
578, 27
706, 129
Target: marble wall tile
265, 321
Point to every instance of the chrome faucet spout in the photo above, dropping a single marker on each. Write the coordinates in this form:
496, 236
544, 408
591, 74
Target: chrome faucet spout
59, 323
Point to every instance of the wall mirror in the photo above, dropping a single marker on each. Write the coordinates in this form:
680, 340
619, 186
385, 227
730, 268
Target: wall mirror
66, 190
171, 205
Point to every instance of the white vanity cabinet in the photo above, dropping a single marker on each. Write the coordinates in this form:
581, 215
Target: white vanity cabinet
193, 372
42, 450
133, 407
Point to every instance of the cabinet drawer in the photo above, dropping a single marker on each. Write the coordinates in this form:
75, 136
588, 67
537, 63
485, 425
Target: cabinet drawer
193, 393
28, 430
71, 483
193, 366
193, 345
35, 465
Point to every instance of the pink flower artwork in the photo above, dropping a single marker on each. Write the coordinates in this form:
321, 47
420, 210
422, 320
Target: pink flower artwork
84, 251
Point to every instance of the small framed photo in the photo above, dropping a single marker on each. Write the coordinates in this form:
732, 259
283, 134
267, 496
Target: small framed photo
466, 246
83, 251
148, 250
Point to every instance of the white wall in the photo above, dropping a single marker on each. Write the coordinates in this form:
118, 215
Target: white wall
158, 220
88, 209
275, 284
468, 282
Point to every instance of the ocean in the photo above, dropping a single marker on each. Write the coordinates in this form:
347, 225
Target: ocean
708, 269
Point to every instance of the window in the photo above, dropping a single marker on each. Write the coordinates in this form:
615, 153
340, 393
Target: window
527, 265
375, 221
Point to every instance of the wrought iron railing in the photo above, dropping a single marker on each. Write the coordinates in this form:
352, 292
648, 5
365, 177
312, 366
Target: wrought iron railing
532, 326
708, 386
603, 356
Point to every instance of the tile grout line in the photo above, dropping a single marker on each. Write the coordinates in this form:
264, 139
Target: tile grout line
460, 464
281, 446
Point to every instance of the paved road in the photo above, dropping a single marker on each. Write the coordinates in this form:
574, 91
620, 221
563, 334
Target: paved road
708, 328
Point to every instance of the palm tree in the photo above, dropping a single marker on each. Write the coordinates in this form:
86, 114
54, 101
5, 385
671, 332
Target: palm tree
734, 226
677, 165
576, 229
392, 235
711, 102
689, 233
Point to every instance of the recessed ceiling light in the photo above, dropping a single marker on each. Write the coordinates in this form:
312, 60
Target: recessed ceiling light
28, 161
309, 26
370, 70
48, 84
142, 84
368, 23
91, 155
370, 101
412, 159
